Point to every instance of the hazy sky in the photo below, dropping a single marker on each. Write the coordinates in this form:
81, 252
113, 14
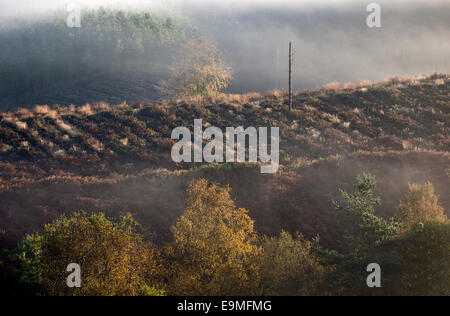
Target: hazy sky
331, 38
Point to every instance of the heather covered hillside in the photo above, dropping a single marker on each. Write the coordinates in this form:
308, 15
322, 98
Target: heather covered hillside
116, 158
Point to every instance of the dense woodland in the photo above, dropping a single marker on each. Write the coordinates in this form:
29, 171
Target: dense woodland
225, 228
115, 56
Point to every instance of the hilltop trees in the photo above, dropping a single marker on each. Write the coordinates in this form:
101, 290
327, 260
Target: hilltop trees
198, 71
215, 245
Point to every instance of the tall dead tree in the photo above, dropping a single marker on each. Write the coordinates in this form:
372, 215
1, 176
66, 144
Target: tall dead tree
290, 76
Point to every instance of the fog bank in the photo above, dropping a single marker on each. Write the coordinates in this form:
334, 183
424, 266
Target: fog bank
331, 39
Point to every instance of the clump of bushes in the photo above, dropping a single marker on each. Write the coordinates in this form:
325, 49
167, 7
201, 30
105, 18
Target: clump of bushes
114, 258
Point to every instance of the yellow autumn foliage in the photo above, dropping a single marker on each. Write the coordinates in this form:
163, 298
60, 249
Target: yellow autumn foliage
420, 205
425, 254
289, 266
214, 245
199, 71
113, 259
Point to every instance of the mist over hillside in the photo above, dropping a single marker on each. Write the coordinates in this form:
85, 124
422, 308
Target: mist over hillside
116, 158
134, 148
331, 42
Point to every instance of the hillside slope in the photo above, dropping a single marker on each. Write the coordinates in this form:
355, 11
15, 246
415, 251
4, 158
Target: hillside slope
111, 88
117, 158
